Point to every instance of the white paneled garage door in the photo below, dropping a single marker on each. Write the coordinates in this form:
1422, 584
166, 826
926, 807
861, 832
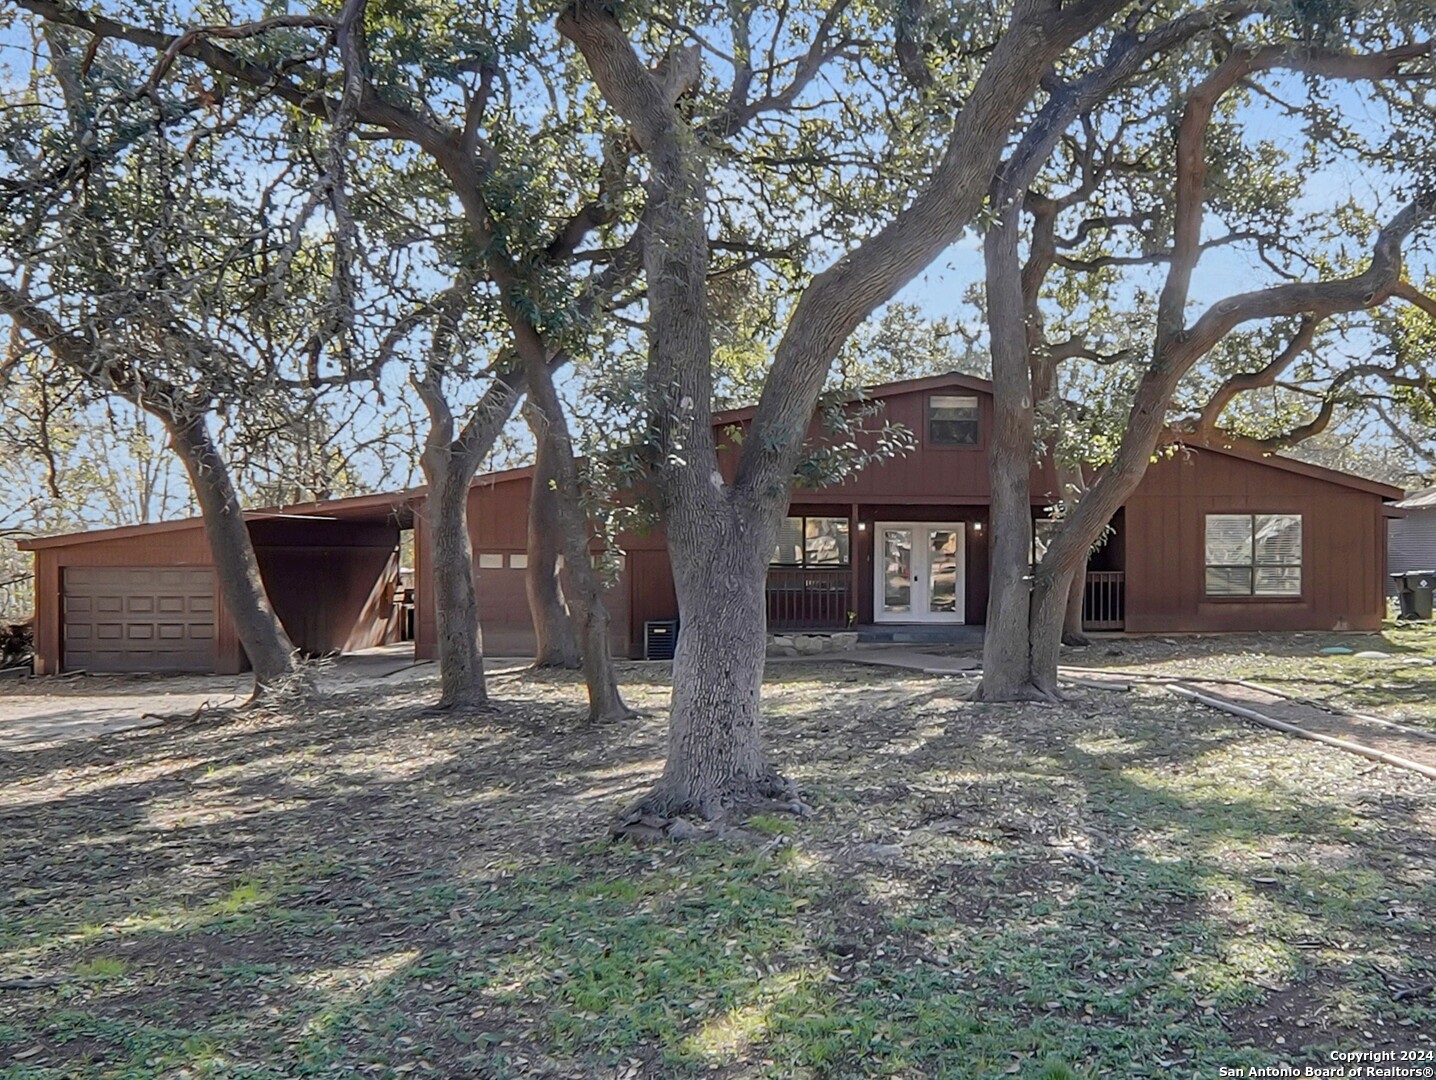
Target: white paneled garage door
138, 618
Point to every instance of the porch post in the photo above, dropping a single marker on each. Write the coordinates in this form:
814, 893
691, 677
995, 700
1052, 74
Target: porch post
855, 576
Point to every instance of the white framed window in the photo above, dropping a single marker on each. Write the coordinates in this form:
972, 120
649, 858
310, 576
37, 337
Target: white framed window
490, 560
1253, 555
953, 420
812, 541
518, 562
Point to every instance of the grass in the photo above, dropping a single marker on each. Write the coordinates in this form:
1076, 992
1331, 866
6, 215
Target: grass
1401, 687
1125, 885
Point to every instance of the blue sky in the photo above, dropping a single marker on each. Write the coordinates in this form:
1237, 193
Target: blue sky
941, 289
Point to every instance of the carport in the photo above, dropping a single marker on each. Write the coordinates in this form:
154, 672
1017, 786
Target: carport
144, 598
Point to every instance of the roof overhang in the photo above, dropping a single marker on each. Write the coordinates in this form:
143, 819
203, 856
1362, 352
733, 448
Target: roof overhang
953, 380
1234, 448
384, 508
1425, 499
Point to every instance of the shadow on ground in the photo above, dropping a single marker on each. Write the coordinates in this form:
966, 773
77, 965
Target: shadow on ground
1123, 885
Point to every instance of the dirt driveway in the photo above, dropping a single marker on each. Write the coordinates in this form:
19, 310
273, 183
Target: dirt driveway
39, 713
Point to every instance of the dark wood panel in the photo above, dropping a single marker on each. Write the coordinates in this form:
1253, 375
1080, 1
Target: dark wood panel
1164, 541
333, 599
650, 591
942, 475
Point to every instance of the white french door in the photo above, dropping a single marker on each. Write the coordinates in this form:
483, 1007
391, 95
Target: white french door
919, 571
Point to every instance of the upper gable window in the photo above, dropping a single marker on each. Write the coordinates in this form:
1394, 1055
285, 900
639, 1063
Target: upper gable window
952, 420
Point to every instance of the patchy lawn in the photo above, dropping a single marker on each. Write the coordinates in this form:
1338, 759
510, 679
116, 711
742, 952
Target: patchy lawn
1123, 886
1401, 686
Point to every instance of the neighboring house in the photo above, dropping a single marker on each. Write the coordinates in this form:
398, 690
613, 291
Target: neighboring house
1215, 539
1411, 540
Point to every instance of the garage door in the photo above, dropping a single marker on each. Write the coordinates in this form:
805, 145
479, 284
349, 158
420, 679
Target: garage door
143, 618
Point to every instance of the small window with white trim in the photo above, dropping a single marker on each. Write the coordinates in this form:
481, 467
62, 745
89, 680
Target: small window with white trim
952, 420
1255, 555
812, 541
491, 560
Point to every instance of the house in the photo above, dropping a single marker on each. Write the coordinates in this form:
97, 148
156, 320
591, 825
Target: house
1215, 539
144, 597
1411, 540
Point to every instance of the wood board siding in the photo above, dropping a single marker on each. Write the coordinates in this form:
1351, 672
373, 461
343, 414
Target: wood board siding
333, 599
329, 598
498, 528
332, 583
182, 548
138, 618
1412, 543
952, 475
1159, 546
1164, 539
651, 593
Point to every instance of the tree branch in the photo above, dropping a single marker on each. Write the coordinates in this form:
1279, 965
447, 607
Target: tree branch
1238, 384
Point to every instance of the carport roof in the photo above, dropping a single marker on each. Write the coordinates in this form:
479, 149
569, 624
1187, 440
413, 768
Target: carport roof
1425, 499
385, 507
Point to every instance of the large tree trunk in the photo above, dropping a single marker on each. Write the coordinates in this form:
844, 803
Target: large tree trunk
1028, 610
720, 567
715, 749
1006, 646
1049, 607
449, 462
271, 654
557, 645
1073, 486
456, 610
550, 427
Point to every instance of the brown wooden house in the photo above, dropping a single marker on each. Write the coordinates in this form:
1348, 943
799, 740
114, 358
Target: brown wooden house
1215, 539
144, 597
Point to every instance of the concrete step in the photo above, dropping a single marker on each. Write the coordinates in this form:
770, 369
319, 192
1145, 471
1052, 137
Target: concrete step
919, 634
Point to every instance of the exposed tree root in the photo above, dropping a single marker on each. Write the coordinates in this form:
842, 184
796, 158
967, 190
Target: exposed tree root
663, 814
457, 708
558, 664
293, 686
615, 716
1025, 693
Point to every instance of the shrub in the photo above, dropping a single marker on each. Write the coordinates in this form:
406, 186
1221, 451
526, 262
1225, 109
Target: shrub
17, 644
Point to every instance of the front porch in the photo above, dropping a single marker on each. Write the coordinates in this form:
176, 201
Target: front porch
847, 597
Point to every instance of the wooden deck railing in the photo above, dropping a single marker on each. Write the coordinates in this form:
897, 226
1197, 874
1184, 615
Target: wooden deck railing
808, 598
1105, 605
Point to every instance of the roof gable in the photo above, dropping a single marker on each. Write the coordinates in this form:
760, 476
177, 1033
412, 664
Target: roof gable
952, 380
1234, 448
361, 507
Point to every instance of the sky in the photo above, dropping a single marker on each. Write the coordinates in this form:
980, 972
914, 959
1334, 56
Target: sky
941, 290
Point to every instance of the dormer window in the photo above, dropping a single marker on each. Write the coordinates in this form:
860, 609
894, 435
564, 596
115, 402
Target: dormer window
952, 420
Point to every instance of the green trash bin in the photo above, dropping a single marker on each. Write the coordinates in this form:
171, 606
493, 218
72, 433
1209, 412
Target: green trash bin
1417, 588
1422, 584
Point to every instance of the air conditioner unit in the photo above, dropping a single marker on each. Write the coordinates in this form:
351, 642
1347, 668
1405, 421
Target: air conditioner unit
660, 638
